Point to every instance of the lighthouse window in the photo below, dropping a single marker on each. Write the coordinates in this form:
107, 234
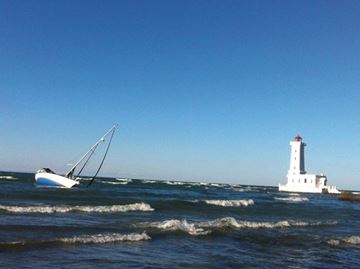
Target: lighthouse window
305, 180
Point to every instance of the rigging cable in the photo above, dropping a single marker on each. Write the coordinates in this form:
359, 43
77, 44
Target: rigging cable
82, 168
92, 180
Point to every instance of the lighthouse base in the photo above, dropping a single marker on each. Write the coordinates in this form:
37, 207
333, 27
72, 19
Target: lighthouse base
307, 183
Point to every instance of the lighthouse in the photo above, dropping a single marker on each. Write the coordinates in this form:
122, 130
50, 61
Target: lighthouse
297, 162
297, 178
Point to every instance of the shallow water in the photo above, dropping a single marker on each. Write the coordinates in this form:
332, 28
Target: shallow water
130, 223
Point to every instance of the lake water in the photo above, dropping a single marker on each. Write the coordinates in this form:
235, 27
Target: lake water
131, 223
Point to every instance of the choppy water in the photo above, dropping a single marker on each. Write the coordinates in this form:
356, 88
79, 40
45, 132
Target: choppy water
129, 223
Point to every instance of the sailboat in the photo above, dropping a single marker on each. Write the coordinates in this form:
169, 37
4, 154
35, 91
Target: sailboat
45, 177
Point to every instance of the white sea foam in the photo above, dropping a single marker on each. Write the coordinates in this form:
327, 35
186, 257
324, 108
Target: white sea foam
115, 182
230, 222
88, 209
7, 177
150, 181
124, 179
228, 203
105, 238
295, 199
174, 182
203, 228
237, 189
118, 181
174, 225
351, 240
198, 183
246, 188
215, 185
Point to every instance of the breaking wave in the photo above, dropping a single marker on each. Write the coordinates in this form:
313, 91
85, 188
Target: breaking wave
176, 225
128, 180
237, 189
88, 209
7, 177
294, 199
351, 240
228, 203
175, 183
83, 239
230, 222
204, 228
115, 182
149, 181
102, 239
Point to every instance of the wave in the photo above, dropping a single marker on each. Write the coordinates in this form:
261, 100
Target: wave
150, 181
204, 228
175, 183
351, 240
175, 225
7, 177
229, 203
242, 188
237, 189
101, 239
128, 180
114, 182
295, 199
230, 222
88, 209
83, 239
219, 185
198, 183
193, 184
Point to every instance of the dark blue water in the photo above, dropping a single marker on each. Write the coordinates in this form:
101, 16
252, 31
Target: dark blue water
129, 223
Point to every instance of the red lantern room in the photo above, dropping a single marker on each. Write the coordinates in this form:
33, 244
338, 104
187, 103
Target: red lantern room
298, 138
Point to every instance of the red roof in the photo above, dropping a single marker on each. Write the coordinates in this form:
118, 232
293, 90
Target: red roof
298, 138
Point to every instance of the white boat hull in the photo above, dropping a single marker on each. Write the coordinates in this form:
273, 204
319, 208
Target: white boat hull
54, 180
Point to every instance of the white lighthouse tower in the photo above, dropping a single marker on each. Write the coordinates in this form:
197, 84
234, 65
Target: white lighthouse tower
297, 178
297, 162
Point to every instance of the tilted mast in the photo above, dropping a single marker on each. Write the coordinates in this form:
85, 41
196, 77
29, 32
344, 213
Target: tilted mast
91, 150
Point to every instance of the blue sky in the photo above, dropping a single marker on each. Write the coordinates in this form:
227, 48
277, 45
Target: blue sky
201, 90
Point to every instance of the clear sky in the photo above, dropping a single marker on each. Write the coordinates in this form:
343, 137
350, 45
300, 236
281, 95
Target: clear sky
201, 90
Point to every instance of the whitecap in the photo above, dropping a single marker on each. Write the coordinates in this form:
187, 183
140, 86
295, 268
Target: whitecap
174, 183
230, 203
204, 228
174, 225
216, 185
88, 209
128, 180
333, 242
354, 240
7, 177
114, 182
198, 183
150, 181
230, 222
350, 240
237, 189
295, 199
104, 238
